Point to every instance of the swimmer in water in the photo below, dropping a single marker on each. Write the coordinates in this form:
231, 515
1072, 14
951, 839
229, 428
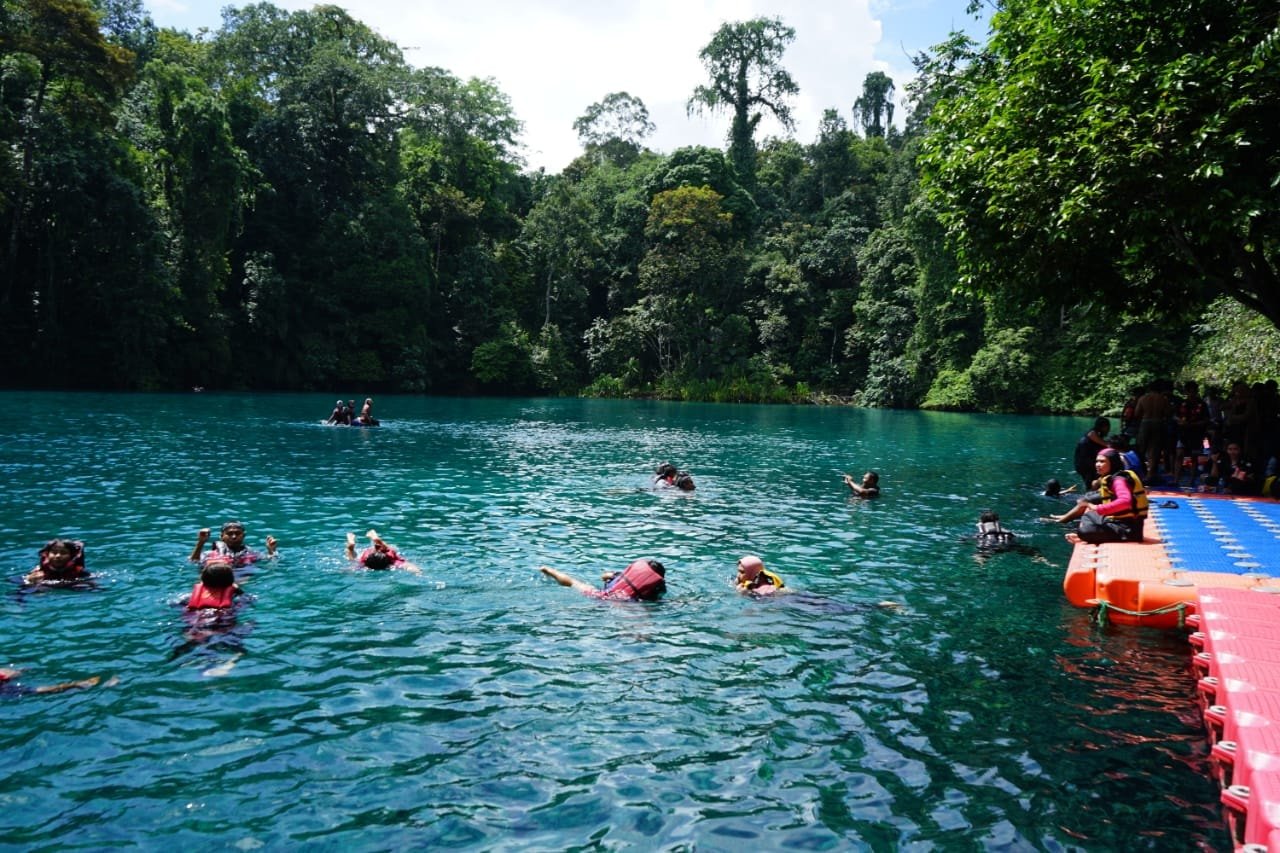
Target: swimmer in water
643, 580
755, 579
61, 561
379, 555
217, 588
868, 488
9, 687
231, 544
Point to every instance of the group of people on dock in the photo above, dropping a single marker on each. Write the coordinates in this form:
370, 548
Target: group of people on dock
1176, 438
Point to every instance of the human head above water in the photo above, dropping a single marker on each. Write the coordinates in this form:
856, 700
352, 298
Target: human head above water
749, 567
378, 559
216, 572
1053, 488
232, 533
62, 553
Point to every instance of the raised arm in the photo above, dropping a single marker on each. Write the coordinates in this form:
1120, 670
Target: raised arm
201, 538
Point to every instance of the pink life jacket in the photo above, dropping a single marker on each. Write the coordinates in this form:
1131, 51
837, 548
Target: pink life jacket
202, 597
637, 582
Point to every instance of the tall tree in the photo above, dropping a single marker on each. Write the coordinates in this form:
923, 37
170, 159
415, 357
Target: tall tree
874, 108
615, 127
1114, 151
743, 60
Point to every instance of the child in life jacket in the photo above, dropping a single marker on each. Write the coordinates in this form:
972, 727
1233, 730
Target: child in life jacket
230, 544
643, 580
755, 579
217, 588
379, 555
61, 561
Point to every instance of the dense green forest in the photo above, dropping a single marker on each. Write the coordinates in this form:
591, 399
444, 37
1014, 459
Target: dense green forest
1088, 201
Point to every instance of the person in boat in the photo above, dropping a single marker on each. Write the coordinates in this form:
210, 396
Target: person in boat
1120, 511
642, 580
1088, 447
217, 588
379, 555
868, 488
61, 561
366, 413
754, 579
669, 475
339, 414
230, 544
10, 688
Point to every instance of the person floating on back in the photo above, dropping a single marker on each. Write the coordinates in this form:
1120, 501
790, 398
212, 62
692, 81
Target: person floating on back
868, 488
643, 580
379, 555
231, 544
61, 562
755, 579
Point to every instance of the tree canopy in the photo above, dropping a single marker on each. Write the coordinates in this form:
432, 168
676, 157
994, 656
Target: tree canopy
1113, 151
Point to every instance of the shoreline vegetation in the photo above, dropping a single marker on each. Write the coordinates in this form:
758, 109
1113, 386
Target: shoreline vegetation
189, 211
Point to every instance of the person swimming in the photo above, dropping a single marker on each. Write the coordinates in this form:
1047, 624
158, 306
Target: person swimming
754, 579
379, 555
669, 475
231, 544
61, 562
642, 580
217, 588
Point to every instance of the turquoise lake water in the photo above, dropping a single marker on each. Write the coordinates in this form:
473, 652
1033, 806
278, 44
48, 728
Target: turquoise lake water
481, 706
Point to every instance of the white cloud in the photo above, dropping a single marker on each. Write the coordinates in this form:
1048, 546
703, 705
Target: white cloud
555, 58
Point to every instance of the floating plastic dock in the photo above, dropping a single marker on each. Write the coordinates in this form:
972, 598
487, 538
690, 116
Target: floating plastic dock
1192, 541
1212, 565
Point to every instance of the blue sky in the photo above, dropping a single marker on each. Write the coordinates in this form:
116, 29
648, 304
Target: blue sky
554, 58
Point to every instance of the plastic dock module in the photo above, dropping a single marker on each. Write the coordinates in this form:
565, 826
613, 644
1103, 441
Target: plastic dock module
1253, 811
1200, 542
1257, 750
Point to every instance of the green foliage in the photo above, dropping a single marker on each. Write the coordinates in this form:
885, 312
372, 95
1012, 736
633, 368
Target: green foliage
1005, 374
1113, 149
1233, 343
743, 60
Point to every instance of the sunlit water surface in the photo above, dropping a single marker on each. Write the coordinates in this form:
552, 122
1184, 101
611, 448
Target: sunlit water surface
482, 706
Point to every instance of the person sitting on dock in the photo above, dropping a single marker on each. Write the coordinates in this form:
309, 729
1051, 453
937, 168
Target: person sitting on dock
1121, 508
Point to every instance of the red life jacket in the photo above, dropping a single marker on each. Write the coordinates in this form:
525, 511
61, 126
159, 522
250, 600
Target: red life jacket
202, 597
638, 581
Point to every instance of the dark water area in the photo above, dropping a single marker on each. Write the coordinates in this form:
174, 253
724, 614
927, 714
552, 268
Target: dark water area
481, 706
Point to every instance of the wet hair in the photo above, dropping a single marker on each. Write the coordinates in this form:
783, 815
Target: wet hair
232, 525
1053, 488
659, 569
76, 549
217, 574
665, 469
988, 516
875, 478
684, 482
378, 560
1102, 426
